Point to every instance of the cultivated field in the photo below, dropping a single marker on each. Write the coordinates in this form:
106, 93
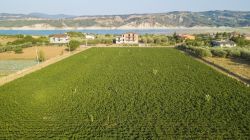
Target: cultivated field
30, 53
125, 93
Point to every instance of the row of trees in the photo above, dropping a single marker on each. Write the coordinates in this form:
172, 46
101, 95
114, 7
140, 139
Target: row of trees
23, 42
160, 39
242, 53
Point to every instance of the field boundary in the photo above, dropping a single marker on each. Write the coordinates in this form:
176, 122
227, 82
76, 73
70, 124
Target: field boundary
221, 69
229, 73
6, 79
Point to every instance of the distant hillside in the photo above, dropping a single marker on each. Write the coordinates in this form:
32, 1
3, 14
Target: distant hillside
158, 20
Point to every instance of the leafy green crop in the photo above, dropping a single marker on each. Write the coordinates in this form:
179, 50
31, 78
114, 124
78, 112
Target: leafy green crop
125, 93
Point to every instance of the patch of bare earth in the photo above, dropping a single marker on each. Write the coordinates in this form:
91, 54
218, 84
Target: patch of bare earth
237, 66
5, 39
30, 53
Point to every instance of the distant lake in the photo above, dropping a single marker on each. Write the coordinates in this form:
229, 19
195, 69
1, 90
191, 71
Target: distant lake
49, 32
111, 31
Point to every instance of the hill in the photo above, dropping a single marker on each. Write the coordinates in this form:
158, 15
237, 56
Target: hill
144, 21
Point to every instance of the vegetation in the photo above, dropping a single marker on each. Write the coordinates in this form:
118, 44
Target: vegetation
76, 34
242, 53
241, 41
159, 40
23, 42
219, 52
73, 45
125, 93
41, 56
196, 51
18, 50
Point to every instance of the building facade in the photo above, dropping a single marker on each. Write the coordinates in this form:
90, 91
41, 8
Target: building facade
128, 38
59, 39
90, 37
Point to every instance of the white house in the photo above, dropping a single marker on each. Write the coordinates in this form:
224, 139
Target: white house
90, 37
224, 43
59, 39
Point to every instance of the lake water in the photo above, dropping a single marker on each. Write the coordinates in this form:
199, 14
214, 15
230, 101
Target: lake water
49, 32
157, 31
10, 66
113, 31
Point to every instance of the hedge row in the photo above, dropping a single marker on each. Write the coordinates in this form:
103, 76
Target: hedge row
218, 52
196, 51
14, 47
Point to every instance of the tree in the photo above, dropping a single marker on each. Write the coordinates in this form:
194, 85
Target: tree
73, 45
157, 40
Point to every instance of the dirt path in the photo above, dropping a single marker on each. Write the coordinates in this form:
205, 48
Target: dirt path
24, 72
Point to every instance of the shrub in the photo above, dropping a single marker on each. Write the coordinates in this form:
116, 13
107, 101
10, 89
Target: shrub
233, 53
73, 45
18, 50
41, 56
201, 52
219, 53
245, 54
182, 47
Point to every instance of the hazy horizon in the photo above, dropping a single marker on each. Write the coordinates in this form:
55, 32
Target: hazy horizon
114, 7
118, 14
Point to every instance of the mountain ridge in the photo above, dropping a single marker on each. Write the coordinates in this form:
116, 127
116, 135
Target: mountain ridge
148, 20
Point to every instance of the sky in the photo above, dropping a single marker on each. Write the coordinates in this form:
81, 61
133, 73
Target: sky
113, 7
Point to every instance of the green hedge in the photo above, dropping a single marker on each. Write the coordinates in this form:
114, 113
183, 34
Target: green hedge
242, 53
219, 53
245, 54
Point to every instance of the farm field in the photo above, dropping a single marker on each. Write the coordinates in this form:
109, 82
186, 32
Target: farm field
30, 53
125, 93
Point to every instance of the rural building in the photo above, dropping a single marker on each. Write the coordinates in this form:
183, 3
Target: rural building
224, 43
59, 39
128, 38
90, 37
186, 36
